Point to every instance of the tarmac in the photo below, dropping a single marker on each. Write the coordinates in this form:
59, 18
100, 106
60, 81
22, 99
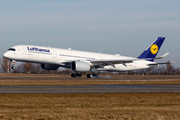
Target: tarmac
89, 88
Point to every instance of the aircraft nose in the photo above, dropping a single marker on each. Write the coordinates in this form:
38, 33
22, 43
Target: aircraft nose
6, 55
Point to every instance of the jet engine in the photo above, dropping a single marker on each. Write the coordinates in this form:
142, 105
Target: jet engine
49, 67
79, 66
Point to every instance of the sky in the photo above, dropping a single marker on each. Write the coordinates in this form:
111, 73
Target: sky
107, 26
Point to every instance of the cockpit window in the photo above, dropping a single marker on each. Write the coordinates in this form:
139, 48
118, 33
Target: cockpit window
11, 49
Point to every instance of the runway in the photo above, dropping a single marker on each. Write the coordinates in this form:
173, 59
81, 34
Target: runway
89, 88
100, 78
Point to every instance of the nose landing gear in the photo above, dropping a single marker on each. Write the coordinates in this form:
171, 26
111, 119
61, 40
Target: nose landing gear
13, 64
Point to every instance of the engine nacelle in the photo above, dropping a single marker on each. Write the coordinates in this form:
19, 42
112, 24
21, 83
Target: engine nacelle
49, 67
79, 66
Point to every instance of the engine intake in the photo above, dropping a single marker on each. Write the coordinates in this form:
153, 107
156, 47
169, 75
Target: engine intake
79, 66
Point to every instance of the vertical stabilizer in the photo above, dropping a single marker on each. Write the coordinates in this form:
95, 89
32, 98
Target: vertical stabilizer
153, 49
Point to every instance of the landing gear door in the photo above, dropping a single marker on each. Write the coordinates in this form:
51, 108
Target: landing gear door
24, 51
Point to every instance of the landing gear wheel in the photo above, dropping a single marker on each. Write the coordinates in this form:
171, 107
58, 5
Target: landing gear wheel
76, 75
73, 75
92, 75
95, 75
88, 76
13, 64
13, 67
80, 75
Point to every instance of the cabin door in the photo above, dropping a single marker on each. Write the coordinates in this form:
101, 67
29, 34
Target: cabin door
24, 51
54, 54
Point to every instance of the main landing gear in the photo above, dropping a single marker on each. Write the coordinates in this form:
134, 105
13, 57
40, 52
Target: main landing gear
88, 75
76, 75
92, 75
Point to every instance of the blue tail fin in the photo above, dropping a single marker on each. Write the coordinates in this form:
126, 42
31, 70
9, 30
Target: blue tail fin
153, 49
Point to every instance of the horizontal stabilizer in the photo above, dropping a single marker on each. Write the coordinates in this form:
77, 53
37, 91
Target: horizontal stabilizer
162, 56
158, 57
157, 64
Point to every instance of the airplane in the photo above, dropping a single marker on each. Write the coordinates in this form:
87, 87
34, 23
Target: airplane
82, 61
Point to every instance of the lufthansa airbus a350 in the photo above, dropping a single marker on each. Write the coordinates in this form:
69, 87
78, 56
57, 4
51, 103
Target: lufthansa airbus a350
81, 61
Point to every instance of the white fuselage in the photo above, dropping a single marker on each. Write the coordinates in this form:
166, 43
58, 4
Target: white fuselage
56, 56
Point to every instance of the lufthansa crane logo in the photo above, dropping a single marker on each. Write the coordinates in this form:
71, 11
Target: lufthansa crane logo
154, 49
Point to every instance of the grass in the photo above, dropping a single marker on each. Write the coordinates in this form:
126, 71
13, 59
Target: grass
120, 106
55, 79
92, 106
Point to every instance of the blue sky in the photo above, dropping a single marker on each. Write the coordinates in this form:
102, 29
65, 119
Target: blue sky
107, 26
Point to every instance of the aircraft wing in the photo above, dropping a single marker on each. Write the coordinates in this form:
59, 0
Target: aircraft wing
101, 63
98, 63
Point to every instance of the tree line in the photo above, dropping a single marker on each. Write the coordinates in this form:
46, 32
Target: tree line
33, 68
